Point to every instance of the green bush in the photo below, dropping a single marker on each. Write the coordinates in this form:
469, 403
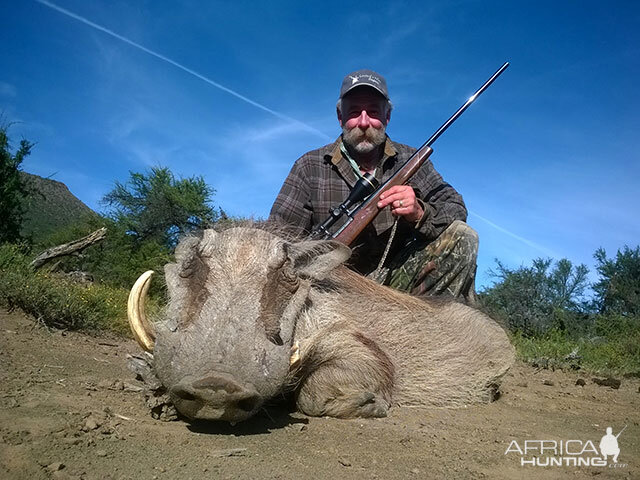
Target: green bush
618, 290
553, 324
58, 301
120, 259
612, 346
536, 299
553, 346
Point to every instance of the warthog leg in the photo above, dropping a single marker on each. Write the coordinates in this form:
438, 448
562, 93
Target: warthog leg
343, 374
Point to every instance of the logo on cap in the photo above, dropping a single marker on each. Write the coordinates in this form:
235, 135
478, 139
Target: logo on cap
364, 77
371, 78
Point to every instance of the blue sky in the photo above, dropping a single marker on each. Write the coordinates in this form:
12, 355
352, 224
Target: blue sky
547, 159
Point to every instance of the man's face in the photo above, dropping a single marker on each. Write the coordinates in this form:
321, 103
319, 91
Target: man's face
364, 119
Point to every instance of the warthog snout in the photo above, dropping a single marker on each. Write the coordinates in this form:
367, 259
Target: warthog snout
215, 397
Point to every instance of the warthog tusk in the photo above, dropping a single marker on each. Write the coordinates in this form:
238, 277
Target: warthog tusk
295, 355
140, 326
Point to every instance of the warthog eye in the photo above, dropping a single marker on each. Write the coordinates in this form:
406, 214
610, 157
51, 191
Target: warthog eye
289, 279
188, 267
275, 338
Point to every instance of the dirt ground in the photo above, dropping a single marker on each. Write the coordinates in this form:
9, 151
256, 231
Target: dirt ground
69, 408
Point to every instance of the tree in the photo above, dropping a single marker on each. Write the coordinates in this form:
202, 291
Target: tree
535, 299
12, 188
157, 206
567, 285
618, 290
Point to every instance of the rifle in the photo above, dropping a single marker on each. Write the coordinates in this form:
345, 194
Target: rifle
625, 427
368, 191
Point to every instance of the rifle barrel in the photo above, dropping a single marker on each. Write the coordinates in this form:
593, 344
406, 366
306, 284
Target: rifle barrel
461, 110
621, 431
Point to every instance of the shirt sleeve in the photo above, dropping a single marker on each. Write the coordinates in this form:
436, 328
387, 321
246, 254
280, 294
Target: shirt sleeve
293, 205
441, 202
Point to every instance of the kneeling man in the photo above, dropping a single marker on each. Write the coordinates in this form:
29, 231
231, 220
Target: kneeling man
432, 251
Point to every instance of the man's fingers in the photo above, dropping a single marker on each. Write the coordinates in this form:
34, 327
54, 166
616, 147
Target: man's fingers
402, 200
392, 199
399, 193
408, 212
402, 203
391, 191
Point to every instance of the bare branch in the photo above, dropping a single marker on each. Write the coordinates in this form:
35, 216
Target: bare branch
69, 248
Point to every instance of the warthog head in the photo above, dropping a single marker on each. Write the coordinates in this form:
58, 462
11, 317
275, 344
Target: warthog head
224, 343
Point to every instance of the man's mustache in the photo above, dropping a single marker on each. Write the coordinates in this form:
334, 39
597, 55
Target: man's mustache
368, 133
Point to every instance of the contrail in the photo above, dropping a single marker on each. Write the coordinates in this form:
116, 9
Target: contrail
182, 67
545, 250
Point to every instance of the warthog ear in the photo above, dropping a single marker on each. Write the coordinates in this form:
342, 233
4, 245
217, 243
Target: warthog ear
315, 259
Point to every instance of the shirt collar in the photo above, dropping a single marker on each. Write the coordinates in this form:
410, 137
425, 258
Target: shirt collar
336, 156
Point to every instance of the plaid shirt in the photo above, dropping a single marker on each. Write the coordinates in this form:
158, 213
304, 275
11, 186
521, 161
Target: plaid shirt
322, 179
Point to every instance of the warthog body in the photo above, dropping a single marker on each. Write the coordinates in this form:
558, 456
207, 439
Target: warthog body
252, 316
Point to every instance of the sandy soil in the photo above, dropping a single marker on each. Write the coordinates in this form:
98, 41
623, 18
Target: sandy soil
69, 409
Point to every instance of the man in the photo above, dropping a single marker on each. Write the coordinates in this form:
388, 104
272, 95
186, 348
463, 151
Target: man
609, 445
431, 249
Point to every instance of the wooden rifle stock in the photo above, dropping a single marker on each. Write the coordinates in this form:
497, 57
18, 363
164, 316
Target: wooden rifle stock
368, 210
360, 217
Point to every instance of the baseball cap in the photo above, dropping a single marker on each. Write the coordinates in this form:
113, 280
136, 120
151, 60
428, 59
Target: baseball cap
367, 78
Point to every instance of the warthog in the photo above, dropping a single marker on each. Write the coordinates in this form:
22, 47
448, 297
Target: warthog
252, 316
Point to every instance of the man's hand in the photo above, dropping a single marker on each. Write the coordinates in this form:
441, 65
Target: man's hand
403, 202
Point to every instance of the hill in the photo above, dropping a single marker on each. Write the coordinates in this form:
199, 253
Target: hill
51, 207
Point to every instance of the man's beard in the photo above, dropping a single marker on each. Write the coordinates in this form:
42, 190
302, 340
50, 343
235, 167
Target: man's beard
364, 141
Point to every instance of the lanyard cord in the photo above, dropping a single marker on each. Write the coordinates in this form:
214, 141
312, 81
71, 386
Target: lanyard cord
386, 250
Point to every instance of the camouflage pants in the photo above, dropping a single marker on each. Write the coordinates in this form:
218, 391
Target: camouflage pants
445, 266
